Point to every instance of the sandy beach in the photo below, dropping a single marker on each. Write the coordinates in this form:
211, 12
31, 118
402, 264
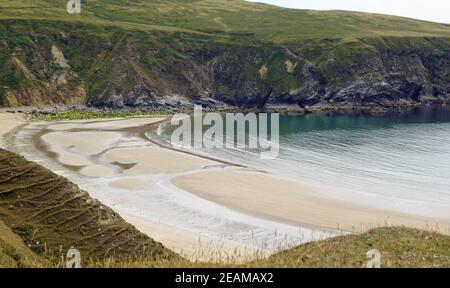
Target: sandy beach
196, 206
295, 203
8, 122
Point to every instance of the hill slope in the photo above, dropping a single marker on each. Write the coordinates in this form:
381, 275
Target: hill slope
137, 53
14, 253
399, 248
51, 215
226, 16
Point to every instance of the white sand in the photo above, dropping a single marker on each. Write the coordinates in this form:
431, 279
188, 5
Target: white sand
291, 202
155, 160
87, 143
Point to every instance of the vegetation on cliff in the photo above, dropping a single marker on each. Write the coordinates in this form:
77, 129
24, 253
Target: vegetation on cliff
167, 53
120, 53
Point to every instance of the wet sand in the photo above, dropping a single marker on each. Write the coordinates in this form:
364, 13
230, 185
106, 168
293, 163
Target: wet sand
195, 206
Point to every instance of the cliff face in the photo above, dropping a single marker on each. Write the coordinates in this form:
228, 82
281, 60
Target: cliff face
34, 72
43, 64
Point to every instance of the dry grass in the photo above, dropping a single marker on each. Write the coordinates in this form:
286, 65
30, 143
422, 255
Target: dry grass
399, 247
14, 252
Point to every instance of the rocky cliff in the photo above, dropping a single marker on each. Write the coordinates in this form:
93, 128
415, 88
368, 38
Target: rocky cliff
47, 63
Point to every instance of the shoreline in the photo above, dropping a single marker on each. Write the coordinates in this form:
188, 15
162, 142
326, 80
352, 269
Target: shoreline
334, 109
317, 214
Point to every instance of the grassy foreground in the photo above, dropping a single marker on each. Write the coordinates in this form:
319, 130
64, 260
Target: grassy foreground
399, 248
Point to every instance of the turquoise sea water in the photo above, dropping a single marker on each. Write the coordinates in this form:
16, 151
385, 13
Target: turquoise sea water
401, 162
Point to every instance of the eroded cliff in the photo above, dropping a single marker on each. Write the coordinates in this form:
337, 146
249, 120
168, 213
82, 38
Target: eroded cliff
46, 63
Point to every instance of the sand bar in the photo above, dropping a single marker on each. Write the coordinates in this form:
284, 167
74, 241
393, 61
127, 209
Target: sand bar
74, 148
87, 143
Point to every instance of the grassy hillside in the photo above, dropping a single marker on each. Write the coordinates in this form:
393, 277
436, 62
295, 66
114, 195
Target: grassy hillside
399, 247
225, 16
51, 215
120, 53
14, 253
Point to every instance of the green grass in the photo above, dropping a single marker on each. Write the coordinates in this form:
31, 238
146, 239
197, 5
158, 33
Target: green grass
86, 115
226, 17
